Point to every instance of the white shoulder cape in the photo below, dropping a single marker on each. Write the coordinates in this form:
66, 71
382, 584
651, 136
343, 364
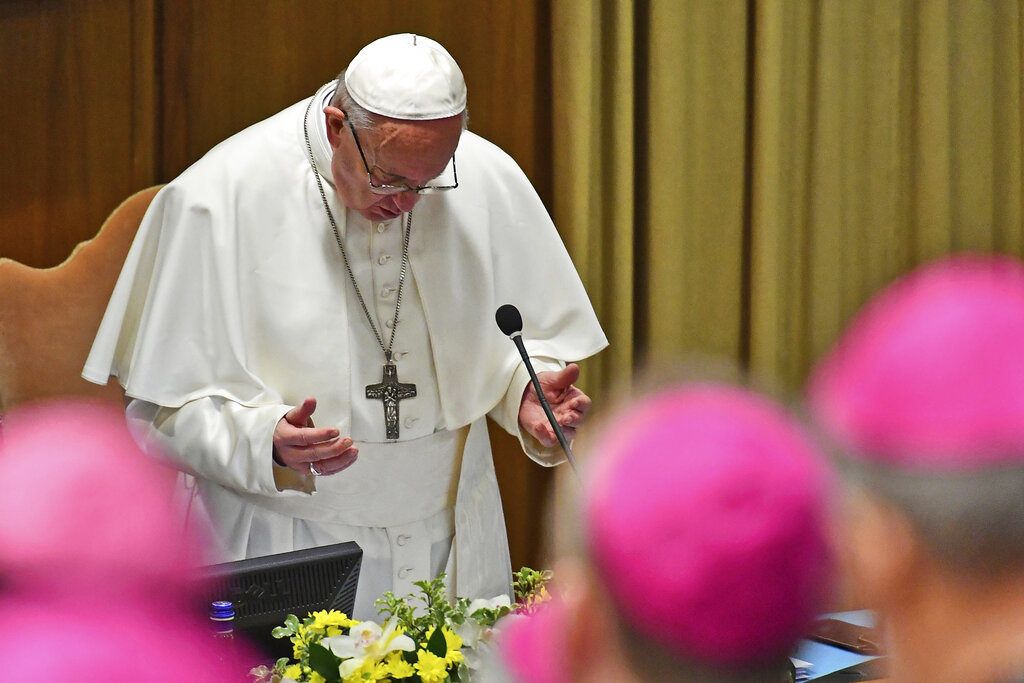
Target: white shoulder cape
234, 286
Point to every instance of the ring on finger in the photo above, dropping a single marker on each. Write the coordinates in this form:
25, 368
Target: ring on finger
314, 471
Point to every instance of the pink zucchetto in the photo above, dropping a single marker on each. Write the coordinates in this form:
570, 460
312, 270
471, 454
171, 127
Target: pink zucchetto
108, 641
930, 375
85, 510
532, 647
705, 520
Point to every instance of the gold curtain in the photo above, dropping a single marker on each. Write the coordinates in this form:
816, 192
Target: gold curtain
593, 164
735, 178
885, 134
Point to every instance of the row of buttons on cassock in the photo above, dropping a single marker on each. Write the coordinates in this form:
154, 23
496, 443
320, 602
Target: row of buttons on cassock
404, 572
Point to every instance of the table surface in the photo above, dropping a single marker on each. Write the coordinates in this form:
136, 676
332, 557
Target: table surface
826, 659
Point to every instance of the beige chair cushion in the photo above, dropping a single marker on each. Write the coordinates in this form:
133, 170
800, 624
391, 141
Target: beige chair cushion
48, 317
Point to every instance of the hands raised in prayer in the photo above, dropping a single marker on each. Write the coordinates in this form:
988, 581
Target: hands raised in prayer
568, 403
300, 445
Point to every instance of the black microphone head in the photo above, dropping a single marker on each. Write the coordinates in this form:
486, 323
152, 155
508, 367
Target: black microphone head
509, 320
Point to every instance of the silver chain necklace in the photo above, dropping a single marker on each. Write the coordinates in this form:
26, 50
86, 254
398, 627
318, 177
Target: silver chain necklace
390, 390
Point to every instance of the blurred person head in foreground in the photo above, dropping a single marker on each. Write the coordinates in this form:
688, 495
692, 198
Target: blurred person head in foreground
97, 575
923, 401
701, 548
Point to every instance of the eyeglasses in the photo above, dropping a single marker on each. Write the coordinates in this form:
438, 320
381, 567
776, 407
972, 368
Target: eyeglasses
386, 188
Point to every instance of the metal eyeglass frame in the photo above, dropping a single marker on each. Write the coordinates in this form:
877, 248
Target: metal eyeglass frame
384, 188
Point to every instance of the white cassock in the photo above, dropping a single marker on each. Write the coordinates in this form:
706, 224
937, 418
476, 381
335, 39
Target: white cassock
234, 305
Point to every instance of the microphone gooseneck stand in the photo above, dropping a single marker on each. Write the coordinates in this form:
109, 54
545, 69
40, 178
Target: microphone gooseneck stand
510, 321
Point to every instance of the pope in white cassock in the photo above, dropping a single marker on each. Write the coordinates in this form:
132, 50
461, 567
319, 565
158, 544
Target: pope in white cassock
340, 264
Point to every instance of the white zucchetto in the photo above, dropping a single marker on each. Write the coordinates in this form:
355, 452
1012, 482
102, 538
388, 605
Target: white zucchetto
406, 76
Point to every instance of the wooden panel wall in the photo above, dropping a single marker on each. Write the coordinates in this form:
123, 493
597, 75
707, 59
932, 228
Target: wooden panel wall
104, 97
76, 119
231, 63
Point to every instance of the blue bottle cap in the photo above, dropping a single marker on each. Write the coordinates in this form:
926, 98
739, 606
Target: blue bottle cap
221, 610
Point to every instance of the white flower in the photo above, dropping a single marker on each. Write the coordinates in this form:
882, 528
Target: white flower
359, 637
494, 603
472, 632
367, 640
478, 656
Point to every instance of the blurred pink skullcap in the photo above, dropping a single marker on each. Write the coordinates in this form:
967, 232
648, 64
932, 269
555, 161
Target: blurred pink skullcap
89, 642
85, 509
931, 374
706, 522
533, 647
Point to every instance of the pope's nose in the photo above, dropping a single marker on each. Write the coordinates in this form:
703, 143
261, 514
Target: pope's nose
404, 201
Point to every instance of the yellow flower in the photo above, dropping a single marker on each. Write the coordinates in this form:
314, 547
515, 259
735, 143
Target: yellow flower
398, 667
430, 667
314, 677
535, 599
304, 635
369, 671
293, 672
453, 644
324, 618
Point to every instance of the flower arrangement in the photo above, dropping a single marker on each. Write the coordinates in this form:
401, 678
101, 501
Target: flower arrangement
422, 638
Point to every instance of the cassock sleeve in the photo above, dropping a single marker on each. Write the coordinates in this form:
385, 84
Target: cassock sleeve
506, 413
215, 439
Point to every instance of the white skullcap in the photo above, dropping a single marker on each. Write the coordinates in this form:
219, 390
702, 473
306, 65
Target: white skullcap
406, 76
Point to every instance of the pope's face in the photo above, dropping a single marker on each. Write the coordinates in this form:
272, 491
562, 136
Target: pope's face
398, 152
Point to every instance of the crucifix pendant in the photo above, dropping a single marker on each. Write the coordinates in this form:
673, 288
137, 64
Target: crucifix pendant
390, 391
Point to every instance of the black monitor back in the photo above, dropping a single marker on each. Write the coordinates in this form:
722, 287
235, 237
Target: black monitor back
264, 590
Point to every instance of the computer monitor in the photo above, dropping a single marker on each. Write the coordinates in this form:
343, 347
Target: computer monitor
265, 590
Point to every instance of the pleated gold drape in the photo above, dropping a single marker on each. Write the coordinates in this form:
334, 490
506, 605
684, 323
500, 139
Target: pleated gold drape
735, 177
593, 164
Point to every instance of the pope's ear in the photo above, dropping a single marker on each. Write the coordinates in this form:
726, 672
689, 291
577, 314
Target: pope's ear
336, 121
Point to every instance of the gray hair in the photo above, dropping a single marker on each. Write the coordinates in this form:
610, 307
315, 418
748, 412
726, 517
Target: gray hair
972, 522
361, 117
652, 662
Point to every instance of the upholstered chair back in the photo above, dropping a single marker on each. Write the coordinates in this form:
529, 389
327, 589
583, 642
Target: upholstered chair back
48, 317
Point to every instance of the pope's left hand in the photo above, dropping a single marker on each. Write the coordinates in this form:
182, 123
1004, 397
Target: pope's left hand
568, 403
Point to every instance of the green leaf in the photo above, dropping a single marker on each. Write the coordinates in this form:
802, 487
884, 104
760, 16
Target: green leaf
280, 664
292, 622
281, 632
324, 662
437, 644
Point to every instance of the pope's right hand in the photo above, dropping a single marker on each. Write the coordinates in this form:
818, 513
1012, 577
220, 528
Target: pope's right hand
299, 444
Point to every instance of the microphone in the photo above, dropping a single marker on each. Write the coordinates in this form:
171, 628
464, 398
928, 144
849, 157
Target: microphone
510, 322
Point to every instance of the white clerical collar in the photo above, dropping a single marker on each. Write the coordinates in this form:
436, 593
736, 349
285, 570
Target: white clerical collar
317, 125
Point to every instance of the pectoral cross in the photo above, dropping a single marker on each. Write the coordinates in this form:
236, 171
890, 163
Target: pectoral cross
390, 391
